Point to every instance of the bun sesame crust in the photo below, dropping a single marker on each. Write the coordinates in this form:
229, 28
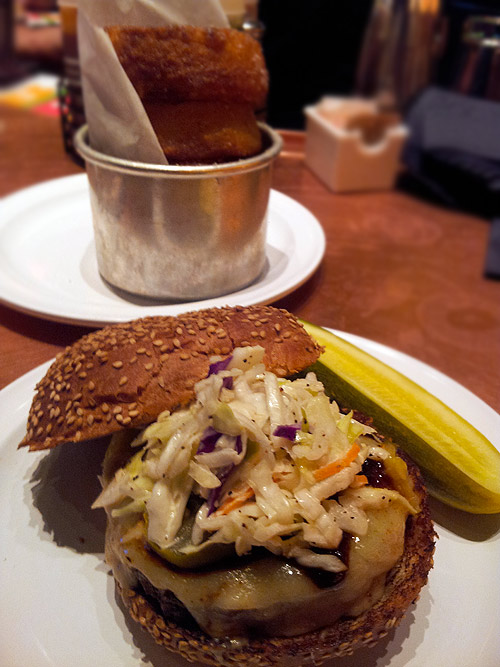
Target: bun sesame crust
402, 588
125, 375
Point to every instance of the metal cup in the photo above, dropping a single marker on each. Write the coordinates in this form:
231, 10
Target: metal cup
179, 232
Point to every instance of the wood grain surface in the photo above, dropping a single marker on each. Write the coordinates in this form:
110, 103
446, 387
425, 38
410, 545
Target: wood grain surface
397, 269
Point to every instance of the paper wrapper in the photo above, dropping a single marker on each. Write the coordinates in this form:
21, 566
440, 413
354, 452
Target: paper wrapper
118, 123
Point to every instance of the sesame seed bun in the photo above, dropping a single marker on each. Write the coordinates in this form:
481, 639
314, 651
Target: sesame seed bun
125, 375
402, 588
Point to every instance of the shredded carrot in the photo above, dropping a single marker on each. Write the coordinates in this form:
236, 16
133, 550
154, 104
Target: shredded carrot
235, 501
336, 466
359, 481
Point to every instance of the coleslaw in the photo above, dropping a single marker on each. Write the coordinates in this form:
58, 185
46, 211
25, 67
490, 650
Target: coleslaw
255, 461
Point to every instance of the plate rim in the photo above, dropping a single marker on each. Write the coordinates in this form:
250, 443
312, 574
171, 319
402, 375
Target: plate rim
17, 203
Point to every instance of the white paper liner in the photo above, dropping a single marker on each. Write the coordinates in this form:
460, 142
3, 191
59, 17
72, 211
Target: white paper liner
118, 123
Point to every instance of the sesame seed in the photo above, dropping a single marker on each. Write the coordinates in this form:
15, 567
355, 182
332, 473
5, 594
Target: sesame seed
90, 419
184, 356
91, 385
141, 350
125, 420
148, 366
117, 364
178, 331
158, 342
105, 407
176, 342
123, 380
133, 413
119, 418
117, 410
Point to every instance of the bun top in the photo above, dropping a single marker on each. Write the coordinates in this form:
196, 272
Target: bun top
187, 63
125, 375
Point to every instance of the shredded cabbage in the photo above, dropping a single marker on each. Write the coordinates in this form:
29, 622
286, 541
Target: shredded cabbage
271, 463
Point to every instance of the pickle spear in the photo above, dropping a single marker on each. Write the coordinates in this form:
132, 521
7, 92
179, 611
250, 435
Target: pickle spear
185, 555
460, 466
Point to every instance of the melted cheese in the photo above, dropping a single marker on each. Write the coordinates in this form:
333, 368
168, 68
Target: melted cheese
269, 596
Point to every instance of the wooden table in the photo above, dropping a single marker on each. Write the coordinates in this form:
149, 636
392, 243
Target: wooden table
397, 270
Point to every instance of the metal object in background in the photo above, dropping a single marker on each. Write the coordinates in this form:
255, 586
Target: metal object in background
479, 66
70, 86
180, 232
69, 92
402, 43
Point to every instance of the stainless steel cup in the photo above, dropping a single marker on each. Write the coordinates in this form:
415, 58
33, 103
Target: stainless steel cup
179, 232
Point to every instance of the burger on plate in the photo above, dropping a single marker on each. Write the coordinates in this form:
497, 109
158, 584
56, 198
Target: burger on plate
250, 519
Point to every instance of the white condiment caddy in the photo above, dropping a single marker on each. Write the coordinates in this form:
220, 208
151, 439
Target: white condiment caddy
341, 157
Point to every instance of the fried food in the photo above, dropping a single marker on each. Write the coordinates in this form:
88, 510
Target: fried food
200, 88
204, 132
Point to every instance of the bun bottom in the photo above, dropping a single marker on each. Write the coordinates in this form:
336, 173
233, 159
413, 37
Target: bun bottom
403, 586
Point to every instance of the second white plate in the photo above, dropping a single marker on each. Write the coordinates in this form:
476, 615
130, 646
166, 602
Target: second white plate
48, 265
58, 601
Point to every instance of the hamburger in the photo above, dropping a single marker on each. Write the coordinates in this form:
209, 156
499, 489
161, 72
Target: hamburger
250, 520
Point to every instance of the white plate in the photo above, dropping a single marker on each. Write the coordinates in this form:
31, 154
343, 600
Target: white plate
48, 265
58, 606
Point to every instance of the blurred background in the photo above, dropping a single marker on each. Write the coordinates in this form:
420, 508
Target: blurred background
391, 51
313, 47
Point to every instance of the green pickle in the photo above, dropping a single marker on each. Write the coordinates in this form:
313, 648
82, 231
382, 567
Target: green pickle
185, 555
460, 466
